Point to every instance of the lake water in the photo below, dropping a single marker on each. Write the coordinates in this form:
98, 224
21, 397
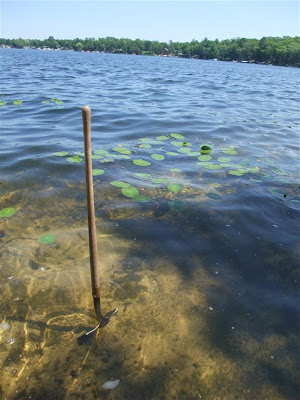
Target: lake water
202, 262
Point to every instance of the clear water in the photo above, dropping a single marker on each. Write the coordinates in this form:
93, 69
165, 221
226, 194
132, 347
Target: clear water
206, 279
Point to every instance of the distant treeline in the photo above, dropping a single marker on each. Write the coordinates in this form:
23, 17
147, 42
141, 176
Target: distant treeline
273, 50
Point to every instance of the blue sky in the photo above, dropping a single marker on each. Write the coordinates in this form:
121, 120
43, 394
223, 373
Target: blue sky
154, 20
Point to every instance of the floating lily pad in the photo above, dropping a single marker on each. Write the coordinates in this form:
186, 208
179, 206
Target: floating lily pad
172, 153
214, 196
229, 150
205, 149
224, 159
175, 187
58, 102
60, 154
3, 103
97, 172
47, 239
74, 159
79, 153
192, 153
177, 136
101, 152
162, 137
146, 140
235, 172
122, 157
160, 180
17, 102
120, 184
142, 176
142, 198
227, 165
204, 158
96, 157
213, 166
130, 192
7, 212
158, 157
177, 205
204, 163
121, 150
141, 163
145, 146
46, 101
184, 150
177, 144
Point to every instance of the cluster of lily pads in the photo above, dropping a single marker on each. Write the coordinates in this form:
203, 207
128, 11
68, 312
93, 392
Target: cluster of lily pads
19, 102
15, 102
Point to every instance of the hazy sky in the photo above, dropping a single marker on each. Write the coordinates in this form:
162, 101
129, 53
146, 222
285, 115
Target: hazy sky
154, 20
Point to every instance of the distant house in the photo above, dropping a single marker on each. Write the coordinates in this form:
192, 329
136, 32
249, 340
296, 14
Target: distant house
165, 52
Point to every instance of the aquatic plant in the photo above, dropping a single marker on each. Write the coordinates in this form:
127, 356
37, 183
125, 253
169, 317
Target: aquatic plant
7, 212
47, 239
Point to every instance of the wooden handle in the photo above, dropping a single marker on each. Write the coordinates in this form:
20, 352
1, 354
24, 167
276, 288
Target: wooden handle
95, 273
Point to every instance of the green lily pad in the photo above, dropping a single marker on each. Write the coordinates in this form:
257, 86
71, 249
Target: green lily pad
213, 166
184, 150
46, 101
54, 100
224, 159
227, 165
96, 157
177, 136
146, 140
204, 163
58, 102
74, 159
158, 157
162, 138
205, 149
142, 198
60, 154
214, 196
204, 158
120, 184
178, 144
192, 153
177, 205
122, 157
229, 150
3, 103
235, 172
143, 176
121, 150
97, 172
145, 146
101, 152
7, 212
130, 192
47, 239
172, 153
141, 163
17, 102
79, 153
160, 180
175, 187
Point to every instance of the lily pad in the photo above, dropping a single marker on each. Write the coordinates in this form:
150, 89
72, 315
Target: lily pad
120, 184
192, 153
160, 180
3, 103
177, 136
158, 157
107, 160
146, 140
205, 149
79, 153
235, 172
175, 187
47, 239
58, 102
74, 159
224, 159
178, 144
214, 196
121, 150
213, 166
101, 152
17, 102
229, 150
96, 157
177, 205
184, 150
204, 158
162, 138
122, 157
142, 198
97, 172
60, 154
145, 146
46, 101
142, 176
130, 192
141, 163
172, 153
7, 212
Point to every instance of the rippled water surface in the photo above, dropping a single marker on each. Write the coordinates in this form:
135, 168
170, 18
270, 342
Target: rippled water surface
199, 252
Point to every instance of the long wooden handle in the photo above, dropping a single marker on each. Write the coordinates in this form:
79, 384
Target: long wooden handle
95, 273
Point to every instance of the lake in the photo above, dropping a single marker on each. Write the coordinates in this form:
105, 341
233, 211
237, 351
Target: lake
198, 246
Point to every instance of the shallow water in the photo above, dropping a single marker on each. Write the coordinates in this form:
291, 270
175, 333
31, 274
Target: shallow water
205, 277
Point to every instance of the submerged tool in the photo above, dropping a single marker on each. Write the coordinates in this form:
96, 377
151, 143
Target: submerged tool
95, 272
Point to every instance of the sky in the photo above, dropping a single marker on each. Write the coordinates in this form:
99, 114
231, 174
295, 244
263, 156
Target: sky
163, 20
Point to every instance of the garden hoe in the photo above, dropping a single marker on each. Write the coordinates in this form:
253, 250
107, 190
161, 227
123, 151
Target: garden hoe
95, 273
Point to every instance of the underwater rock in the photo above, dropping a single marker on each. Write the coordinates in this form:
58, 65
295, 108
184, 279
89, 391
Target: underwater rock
111, 384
